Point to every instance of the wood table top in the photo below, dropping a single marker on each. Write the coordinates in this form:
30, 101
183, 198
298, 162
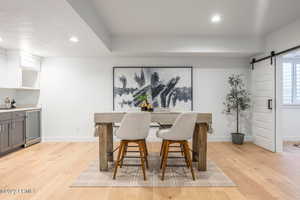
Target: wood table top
160, 117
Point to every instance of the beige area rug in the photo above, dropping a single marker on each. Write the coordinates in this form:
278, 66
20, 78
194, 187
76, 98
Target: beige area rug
129, 176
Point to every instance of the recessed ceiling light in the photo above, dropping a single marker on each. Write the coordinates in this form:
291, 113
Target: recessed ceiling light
1, 40
74, 39
216, 18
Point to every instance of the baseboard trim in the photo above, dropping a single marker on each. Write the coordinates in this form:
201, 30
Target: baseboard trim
69, 139
227, 139
94, 139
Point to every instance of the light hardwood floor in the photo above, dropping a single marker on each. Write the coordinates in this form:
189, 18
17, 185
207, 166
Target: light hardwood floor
50, 168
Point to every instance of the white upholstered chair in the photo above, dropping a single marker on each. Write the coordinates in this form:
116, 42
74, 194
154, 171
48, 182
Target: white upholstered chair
134, 128
179, 133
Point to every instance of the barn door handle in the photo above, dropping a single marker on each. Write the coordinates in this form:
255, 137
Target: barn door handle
270, 101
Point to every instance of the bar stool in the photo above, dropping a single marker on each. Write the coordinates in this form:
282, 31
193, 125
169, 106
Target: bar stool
180, 133
134, 129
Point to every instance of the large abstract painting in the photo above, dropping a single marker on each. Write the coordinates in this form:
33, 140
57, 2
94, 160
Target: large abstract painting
166, 87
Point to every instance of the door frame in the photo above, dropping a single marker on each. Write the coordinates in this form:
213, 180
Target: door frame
277, 95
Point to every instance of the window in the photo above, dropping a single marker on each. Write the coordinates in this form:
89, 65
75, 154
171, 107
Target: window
291, 81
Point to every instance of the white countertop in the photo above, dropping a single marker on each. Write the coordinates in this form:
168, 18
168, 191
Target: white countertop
20, 109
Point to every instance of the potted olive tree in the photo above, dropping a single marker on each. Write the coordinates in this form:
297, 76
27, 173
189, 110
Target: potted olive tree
237, 101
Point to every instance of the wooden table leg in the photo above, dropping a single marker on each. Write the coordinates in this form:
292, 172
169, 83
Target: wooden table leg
202, 134
110, 143
105, 145
196, 143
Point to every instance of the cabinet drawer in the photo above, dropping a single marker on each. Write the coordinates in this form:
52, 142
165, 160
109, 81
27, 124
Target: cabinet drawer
5, 116
19, 114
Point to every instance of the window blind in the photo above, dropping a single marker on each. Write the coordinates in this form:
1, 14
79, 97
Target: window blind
287, 83
297, 84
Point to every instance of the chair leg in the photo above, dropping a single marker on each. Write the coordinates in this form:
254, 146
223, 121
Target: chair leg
162, 148
163, 151
165, 159
189, 159
146, 148
142, 154
145, 153
184, 154
118, 159
182, 151
123, 154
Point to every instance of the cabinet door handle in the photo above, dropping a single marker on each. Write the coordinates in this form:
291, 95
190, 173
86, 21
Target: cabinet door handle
270, 102
0, 128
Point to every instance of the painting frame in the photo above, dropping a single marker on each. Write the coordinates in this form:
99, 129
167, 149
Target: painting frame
155, 67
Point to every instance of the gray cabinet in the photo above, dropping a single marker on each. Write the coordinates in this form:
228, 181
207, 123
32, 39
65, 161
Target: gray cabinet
33, 127
12, 131
17, 132
4, 136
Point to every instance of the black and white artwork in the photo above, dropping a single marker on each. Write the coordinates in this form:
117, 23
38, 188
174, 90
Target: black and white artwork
166, 87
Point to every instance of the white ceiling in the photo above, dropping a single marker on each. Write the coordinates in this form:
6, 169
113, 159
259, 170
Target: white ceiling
141, 27
192, 17
43, 27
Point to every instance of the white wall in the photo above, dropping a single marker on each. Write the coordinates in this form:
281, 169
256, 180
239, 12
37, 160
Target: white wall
3, 62
72, 89
285, 38
23, 98
289, 123
4, 92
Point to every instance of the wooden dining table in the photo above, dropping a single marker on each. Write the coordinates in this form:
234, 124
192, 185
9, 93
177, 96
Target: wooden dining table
104, 122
